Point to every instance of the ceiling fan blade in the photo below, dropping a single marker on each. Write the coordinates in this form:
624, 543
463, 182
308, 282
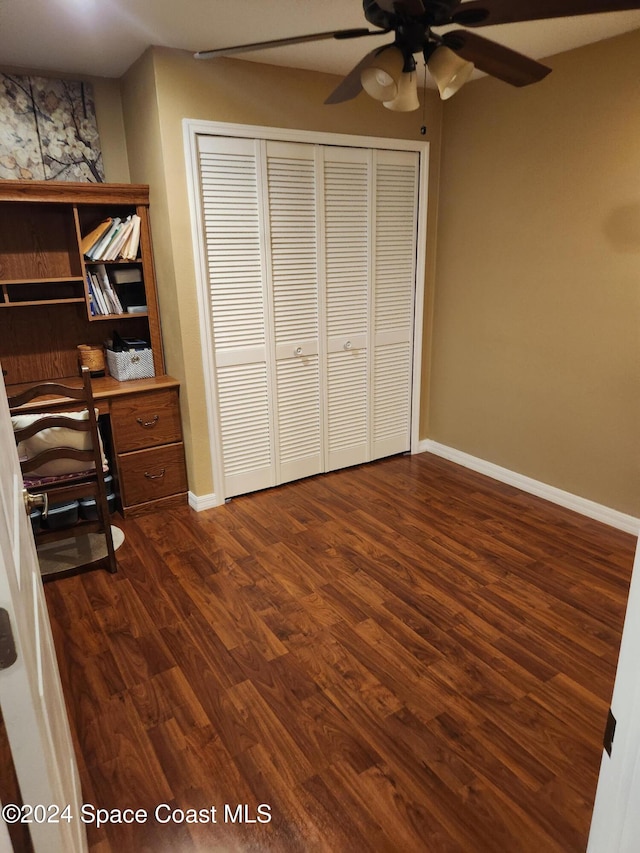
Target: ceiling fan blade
262, 45
486, 13
495, 59
351, 86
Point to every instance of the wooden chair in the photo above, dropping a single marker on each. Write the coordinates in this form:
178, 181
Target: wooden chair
62, 458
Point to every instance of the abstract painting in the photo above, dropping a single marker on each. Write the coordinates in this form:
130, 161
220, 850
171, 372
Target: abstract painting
48, 130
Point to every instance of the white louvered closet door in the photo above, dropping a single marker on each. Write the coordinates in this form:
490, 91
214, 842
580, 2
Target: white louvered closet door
311, 260
395, 191
235, 256
293, 279
347, 257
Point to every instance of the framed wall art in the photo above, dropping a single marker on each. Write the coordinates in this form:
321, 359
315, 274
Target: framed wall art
48, 130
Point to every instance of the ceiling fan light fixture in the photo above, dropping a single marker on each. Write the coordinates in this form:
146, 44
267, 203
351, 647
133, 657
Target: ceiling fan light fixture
380, 78
449, 70
407, 98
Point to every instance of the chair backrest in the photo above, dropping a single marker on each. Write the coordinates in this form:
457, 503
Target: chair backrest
70, 442
55, 443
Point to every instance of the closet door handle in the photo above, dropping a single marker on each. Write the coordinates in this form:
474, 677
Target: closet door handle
148, 424
297, 351
348, 345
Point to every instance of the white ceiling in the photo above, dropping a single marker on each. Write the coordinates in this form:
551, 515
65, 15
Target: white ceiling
104, 37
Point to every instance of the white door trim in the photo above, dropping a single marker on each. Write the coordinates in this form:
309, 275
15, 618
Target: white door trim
192, 129
615, 823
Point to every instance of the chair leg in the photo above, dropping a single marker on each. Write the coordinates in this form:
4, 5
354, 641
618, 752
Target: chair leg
103, 513
112, 564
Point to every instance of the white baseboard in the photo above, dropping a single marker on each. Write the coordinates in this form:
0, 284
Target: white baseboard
598, 512
605, 514
202, 502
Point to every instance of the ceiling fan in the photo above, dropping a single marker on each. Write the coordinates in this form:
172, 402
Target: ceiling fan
388, 73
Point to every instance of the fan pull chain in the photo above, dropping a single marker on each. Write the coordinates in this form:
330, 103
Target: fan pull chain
423, 129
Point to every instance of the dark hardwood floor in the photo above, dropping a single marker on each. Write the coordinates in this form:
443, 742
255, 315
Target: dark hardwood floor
404, 656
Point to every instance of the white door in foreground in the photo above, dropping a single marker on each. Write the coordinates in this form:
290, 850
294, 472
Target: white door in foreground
31, 697
615, 826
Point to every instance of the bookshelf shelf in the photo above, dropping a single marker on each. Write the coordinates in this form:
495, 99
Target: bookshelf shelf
18, 293
31, 303
61, 280
118, 317
118, 263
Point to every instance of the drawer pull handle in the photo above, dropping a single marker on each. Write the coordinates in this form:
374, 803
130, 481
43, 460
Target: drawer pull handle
148, 424
155, 476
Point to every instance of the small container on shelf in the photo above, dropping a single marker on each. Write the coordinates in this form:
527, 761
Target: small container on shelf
129, 358
88, 509
93, 358
62, 515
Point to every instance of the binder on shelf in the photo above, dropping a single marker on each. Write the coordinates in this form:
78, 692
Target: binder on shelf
95, 253
119, 238
130, 248
92, 299
99, 296
114, 238
94, 303
105, 251
94, 236
111, 297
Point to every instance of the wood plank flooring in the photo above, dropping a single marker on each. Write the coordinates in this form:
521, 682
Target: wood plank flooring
404, 656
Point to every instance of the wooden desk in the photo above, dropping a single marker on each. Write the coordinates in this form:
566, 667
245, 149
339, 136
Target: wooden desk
143, 436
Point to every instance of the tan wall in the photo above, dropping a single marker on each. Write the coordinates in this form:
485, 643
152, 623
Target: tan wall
160, 90
536, 356
535, 359
111, 129
109, 119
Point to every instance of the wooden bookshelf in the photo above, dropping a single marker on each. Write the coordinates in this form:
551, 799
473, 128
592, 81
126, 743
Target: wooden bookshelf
45, 314
45, 310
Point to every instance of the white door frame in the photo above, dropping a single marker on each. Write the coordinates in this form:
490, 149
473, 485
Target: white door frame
615, 824
193, 128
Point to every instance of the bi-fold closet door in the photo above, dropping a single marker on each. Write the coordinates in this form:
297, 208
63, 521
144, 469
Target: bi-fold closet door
311, 258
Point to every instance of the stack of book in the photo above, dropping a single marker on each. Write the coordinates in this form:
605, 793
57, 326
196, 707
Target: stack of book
103, 298
114, 238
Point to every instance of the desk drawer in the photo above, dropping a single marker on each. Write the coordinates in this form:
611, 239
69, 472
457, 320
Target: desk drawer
145, 420
147, 475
